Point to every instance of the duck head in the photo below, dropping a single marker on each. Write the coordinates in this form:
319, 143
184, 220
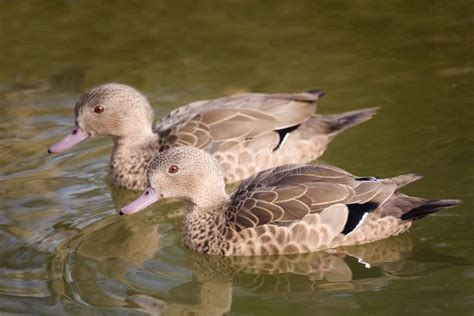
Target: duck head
112, 109
182, 172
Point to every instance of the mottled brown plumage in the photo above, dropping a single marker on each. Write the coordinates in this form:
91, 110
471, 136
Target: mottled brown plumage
290, 209
246, 133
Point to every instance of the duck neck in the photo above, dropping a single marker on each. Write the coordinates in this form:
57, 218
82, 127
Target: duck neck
140, 138
209, 200
205, 227
130, 158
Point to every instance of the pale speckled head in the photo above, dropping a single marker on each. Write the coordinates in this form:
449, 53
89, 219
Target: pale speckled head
184, 172
112, 109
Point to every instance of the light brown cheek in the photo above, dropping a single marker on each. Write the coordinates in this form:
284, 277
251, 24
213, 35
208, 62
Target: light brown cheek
114, 126
103, 126
156, 184
84, 124
162, 183
89, 124
185, 185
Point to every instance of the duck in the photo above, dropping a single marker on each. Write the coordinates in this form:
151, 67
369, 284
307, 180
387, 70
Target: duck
246, 133
286, 210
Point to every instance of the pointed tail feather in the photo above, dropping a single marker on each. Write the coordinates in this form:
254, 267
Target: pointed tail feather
336, 123
403, 179
427, 208
317, 92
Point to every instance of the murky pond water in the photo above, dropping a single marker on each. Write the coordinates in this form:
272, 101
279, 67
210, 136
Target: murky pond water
63, 249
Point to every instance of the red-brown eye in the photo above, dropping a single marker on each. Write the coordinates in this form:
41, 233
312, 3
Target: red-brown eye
99, 109
173, 169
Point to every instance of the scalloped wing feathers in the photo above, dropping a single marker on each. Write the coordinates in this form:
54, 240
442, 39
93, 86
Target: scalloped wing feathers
288, 193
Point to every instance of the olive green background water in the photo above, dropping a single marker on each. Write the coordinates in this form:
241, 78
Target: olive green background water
64, 250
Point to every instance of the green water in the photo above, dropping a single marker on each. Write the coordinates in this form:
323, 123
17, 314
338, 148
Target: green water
64, 250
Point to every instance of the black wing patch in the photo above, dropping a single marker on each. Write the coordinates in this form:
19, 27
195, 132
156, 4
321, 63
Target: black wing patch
282, 133
356, 214
366, 179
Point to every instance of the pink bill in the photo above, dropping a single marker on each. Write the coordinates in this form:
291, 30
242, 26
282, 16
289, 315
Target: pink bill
147, 198
75, 137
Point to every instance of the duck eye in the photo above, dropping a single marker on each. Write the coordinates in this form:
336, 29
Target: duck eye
173, 169
99, 109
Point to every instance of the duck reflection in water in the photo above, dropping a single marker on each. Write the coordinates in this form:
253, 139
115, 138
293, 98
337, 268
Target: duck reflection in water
129, 264
309, 278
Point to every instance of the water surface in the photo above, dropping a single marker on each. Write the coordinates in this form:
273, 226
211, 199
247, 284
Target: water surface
63, 248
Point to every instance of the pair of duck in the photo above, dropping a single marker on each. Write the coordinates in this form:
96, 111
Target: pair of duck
282, 206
